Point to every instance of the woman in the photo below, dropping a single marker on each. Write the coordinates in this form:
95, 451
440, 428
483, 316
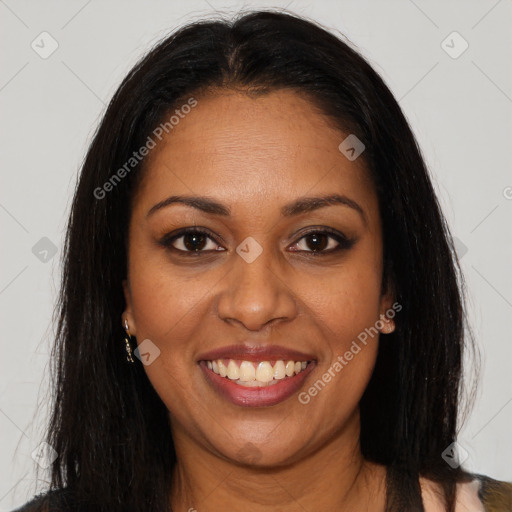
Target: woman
255, 215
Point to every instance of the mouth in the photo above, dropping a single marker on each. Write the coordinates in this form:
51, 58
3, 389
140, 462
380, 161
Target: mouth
249, 379
256, 374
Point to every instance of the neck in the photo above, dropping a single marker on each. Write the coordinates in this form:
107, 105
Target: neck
333, 477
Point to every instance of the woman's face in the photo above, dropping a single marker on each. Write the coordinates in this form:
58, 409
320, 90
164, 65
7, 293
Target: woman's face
257, 280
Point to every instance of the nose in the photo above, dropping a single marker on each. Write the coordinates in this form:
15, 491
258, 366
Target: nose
254, 294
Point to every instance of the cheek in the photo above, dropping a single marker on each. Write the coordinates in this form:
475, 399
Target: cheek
345, 308
167, 308
346, 303
347, 320
166, 299
351, 346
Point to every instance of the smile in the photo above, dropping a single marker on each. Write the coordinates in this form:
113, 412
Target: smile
256, 374
256, 383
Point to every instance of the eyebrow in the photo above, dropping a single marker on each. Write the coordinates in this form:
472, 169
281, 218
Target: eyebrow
297, 207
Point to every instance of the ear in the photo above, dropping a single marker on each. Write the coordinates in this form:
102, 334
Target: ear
128, 313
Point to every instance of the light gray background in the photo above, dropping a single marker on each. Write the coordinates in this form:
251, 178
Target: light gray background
460, 110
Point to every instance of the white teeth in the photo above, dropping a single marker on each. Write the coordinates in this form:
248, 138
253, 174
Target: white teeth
264, 372
279, 370
233, 370
256, 374
247, 371
290, 368
223, 371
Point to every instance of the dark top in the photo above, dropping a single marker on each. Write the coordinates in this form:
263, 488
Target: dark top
494, 495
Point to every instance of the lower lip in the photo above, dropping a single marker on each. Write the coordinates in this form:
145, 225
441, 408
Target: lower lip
256, 396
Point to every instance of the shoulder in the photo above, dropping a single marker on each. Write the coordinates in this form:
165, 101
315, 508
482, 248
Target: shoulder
49, 501
480, 494
495, 494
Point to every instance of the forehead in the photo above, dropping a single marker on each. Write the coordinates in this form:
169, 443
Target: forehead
249, 150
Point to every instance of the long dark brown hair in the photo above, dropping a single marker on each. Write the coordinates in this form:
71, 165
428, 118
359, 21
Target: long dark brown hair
108, 425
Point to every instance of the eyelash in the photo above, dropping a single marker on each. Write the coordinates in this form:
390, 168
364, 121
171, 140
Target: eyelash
344, 243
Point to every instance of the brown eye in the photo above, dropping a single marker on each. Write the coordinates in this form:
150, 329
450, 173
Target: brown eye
194, 241
190, 241
317, 241
323, 242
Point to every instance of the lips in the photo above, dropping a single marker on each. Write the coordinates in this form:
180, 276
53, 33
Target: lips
256, 353
273, 390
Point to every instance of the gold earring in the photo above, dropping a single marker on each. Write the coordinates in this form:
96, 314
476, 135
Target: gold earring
389, 324
128, 346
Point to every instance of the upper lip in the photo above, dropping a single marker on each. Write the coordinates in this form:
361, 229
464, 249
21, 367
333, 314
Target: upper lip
255, 353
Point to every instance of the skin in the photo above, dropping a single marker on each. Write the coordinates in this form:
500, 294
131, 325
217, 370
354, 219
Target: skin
255, 155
